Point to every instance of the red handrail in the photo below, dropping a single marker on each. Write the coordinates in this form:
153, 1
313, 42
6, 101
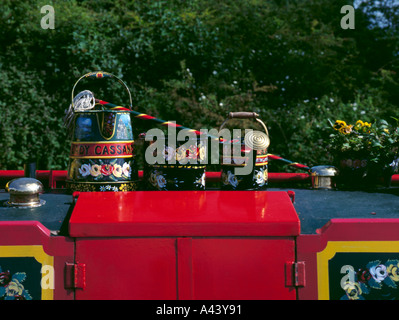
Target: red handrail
56, 178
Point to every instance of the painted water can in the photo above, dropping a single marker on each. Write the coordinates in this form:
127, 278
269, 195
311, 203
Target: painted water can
177, 165
244, 161
102, 154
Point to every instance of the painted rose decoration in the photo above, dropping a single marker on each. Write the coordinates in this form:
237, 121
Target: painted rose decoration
374, 276
257, 179
113, 171
11, 286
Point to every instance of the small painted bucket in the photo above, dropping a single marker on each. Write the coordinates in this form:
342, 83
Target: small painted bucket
244, 161
102, 156
177, 166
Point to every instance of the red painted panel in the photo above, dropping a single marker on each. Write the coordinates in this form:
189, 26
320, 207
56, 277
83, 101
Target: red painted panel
339, 230
184, 269
245, 269
184, 213
133, 268
32, 233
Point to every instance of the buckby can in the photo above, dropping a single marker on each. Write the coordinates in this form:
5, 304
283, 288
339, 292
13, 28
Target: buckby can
245, 169
102, 154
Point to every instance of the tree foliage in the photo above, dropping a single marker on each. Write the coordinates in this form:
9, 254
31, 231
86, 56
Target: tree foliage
193, 62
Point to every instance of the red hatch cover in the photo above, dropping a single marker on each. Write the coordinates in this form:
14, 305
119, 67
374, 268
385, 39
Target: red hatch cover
184, 213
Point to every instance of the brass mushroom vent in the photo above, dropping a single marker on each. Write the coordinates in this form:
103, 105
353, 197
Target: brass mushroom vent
324, 177
24, 193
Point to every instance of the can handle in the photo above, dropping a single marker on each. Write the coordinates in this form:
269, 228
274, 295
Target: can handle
244, 115
99, 75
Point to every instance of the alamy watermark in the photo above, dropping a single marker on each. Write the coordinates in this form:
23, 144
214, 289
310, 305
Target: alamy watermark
47, 281
187, 147
47, 21
348, 20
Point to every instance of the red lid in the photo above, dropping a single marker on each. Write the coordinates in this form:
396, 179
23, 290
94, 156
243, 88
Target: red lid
184, 213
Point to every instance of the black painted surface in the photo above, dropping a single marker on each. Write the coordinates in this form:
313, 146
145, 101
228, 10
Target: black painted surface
52, 214
316, 207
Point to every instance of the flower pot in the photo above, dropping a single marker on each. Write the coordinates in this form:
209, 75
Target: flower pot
365, 153
356, 171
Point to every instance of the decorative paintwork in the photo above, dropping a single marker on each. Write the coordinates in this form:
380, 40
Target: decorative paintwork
102, 156
374, 276
255, 180
358, 270
179, 168
189, 177
22, 275
92, 186
96, 170
101, 149
358, 172
12, 287
249, 151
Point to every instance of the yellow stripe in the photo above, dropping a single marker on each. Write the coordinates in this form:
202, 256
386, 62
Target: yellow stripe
100, 182
100, 142
100, 157
177, 166
243, 165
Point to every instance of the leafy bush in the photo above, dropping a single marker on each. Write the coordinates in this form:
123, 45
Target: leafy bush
193, 62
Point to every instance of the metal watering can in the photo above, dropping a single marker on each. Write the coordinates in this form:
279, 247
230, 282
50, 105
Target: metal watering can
252, 156
102, 155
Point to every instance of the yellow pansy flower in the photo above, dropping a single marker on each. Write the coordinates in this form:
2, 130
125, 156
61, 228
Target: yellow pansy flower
366, 127
346, 129
359, 124
339, 124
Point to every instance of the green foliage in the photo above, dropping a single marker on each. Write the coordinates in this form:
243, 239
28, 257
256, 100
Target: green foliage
193, 62
377, 142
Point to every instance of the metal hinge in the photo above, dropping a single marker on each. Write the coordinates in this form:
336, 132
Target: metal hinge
75, 275
295, 274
